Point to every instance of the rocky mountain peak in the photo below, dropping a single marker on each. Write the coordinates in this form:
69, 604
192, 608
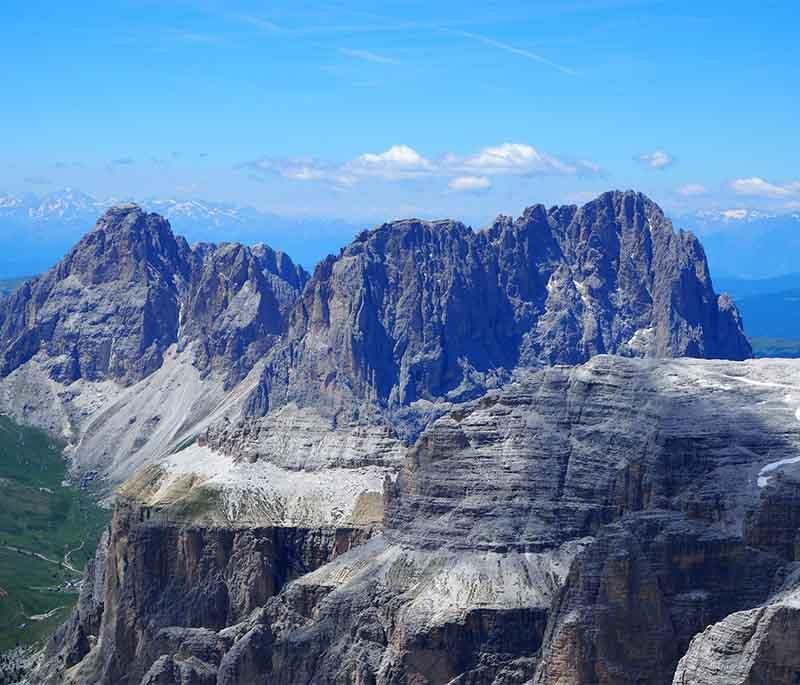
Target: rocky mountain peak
128, 244
432, 309
130, 288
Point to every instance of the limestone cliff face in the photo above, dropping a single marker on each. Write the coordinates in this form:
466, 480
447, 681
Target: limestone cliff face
410, 313
108, 309
606, 523
431, 310
752, 647
166, 581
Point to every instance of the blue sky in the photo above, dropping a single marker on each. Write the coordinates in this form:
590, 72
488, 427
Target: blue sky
378, 110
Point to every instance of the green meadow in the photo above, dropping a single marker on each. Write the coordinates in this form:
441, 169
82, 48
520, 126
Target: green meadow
48, 532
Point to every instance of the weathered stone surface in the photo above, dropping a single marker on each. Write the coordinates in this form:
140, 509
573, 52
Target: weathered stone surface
581, 525
130, 288
408, 313
169, 587
108, 309
134, 342
640, 592
432, 310
551, 523
754, 647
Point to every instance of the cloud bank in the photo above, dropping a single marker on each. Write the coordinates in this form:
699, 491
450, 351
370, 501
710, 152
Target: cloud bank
463, 173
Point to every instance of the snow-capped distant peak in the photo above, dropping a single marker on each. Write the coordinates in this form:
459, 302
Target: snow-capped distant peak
735, 214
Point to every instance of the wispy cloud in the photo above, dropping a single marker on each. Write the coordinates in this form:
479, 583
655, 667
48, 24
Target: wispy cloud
470, 184
368, 56
38, 180
121, 162
256, 21
520, 52
692, 190
756, 186
296, 169
266, 25
187, 37
659, 159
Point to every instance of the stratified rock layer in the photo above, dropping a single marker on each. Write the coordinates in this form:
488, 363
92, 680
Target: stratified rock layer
581, 525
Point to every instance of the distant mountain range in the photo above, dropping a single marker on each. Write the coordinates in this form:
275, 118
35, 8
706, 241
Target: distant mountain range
747, 244
36, 231
770, 308
754, 256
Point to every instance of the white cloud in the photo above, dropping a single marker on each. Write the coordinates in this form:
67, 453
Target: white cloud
656, 160
470, 184
368, 56
692, 189
299, 169
402, 162
758, 187
586, 166
521, 52
397, 163
304, 173
580, 197
735, 214
514, 158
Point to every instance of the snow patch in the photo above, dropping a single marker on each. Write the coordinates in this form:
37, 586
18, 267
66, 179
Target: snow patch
763, 477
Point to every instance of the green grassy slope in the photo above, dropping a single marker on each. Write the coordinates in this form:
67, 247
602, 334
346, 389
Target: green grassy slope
38, 515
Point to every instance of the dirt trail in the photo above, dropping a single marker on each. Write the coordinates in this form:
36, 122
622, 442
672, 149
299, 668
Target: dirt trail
44, 617
65, 562
68, 563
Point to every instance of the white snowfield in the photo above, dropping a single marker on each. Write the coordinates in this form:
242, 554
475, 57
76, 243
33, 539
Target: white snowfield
792, 400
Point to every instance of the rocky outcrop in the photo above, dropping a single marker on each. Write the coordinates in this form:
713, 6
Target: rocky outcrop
432, 310
639, 593
169, 588
237, 305
408, 316
753, 647
581, 525
108, 309
282, 529
135, 342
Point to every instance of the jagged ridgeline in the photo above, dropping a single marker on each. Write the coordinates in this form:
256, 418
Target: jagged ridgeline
411, 310
528, 453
